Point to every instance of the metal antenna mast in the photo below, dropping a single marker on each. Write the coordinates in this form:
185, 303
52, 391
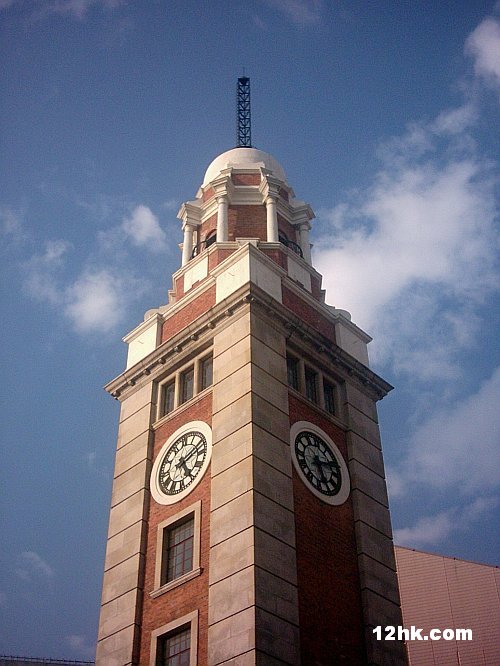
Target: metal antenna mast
243, 118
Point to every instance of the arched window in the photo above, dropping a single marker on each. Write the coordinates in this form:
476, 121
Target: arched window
210, 239
282, 237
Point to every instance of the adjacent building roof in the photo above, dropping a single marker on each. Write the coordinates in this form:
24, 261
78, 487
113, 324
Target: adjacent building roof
447, 593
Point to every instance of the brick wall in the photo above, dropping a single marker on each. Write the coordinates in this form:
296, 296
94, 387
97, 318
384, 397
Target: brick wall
208, 193
194, 594
316, 287
287, 228
216, 257
327, 572
247, 222
278, 256
308, 314
191, 311
284, 194
179, 287
246, 178
206, 228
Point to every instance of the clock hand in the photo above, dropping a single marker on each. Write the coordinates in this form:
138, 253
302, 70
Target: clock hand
190, 455
329, 463
182, 463
319, 465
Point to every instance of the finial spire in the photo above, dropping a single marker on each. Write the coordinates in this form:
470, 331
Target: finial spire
243, 117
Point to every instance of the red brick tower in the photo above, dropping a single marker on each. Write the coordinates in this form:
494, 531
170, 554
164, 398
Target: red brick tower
249, 519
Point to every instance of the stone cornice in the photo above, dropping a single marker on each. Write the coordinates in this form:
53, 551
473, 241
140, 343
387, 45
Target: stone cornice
143, 326
317, 345
190, 213
201, 331
294, 211
179, 346
223, 185
323, 308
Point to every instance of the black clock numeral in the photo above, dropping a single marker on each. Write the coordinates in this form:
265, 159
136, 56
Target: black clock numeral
166, 484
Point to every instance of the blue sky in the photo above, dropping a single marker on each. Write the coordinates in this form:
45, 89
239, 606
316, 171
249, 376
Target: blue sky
385, 118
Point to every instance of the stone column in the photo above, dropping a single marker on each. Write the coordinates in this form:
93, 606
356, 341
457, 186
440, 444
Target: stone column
222, 218
187, 246
119, 628
372, 524
272, 219
304, 242
253, 604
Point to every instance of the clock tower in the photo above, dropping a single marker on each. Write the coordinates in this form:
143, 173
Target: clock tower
249, 519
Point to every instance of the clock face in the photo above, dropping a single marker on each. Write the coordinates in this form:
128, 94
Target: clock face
319, 463
181, 463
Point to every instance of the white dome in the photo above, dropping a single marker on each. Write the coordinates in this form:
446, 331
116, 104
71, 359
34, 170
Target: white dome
243, 158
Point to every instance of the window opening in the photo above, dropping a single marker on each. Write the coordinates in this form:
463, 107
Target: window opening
311, 385
187, 384
168, 401
292, 368
206, 372
178, 544
210, 239
174, 648
289, 243
329, 393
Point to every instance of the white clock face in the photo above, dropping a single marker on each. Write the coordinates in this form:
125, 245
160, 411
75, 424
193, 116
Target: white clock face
181, 463
319, 463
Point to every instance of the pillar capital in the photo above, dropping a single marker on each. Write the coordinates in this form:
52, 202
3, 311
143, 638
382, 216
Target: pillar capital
222, 186
189, 225
269, 187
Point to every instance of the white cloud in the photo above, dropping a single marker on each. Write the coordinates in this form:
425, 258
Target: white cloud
41, 272
81, 644
31, 565
457, 446
96, 299
300, 12
431, 530
259, 22
455, 121
144, 230
414, 256
484, 46
91, 460
11, 225
95, 302
75, 8
171, 204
